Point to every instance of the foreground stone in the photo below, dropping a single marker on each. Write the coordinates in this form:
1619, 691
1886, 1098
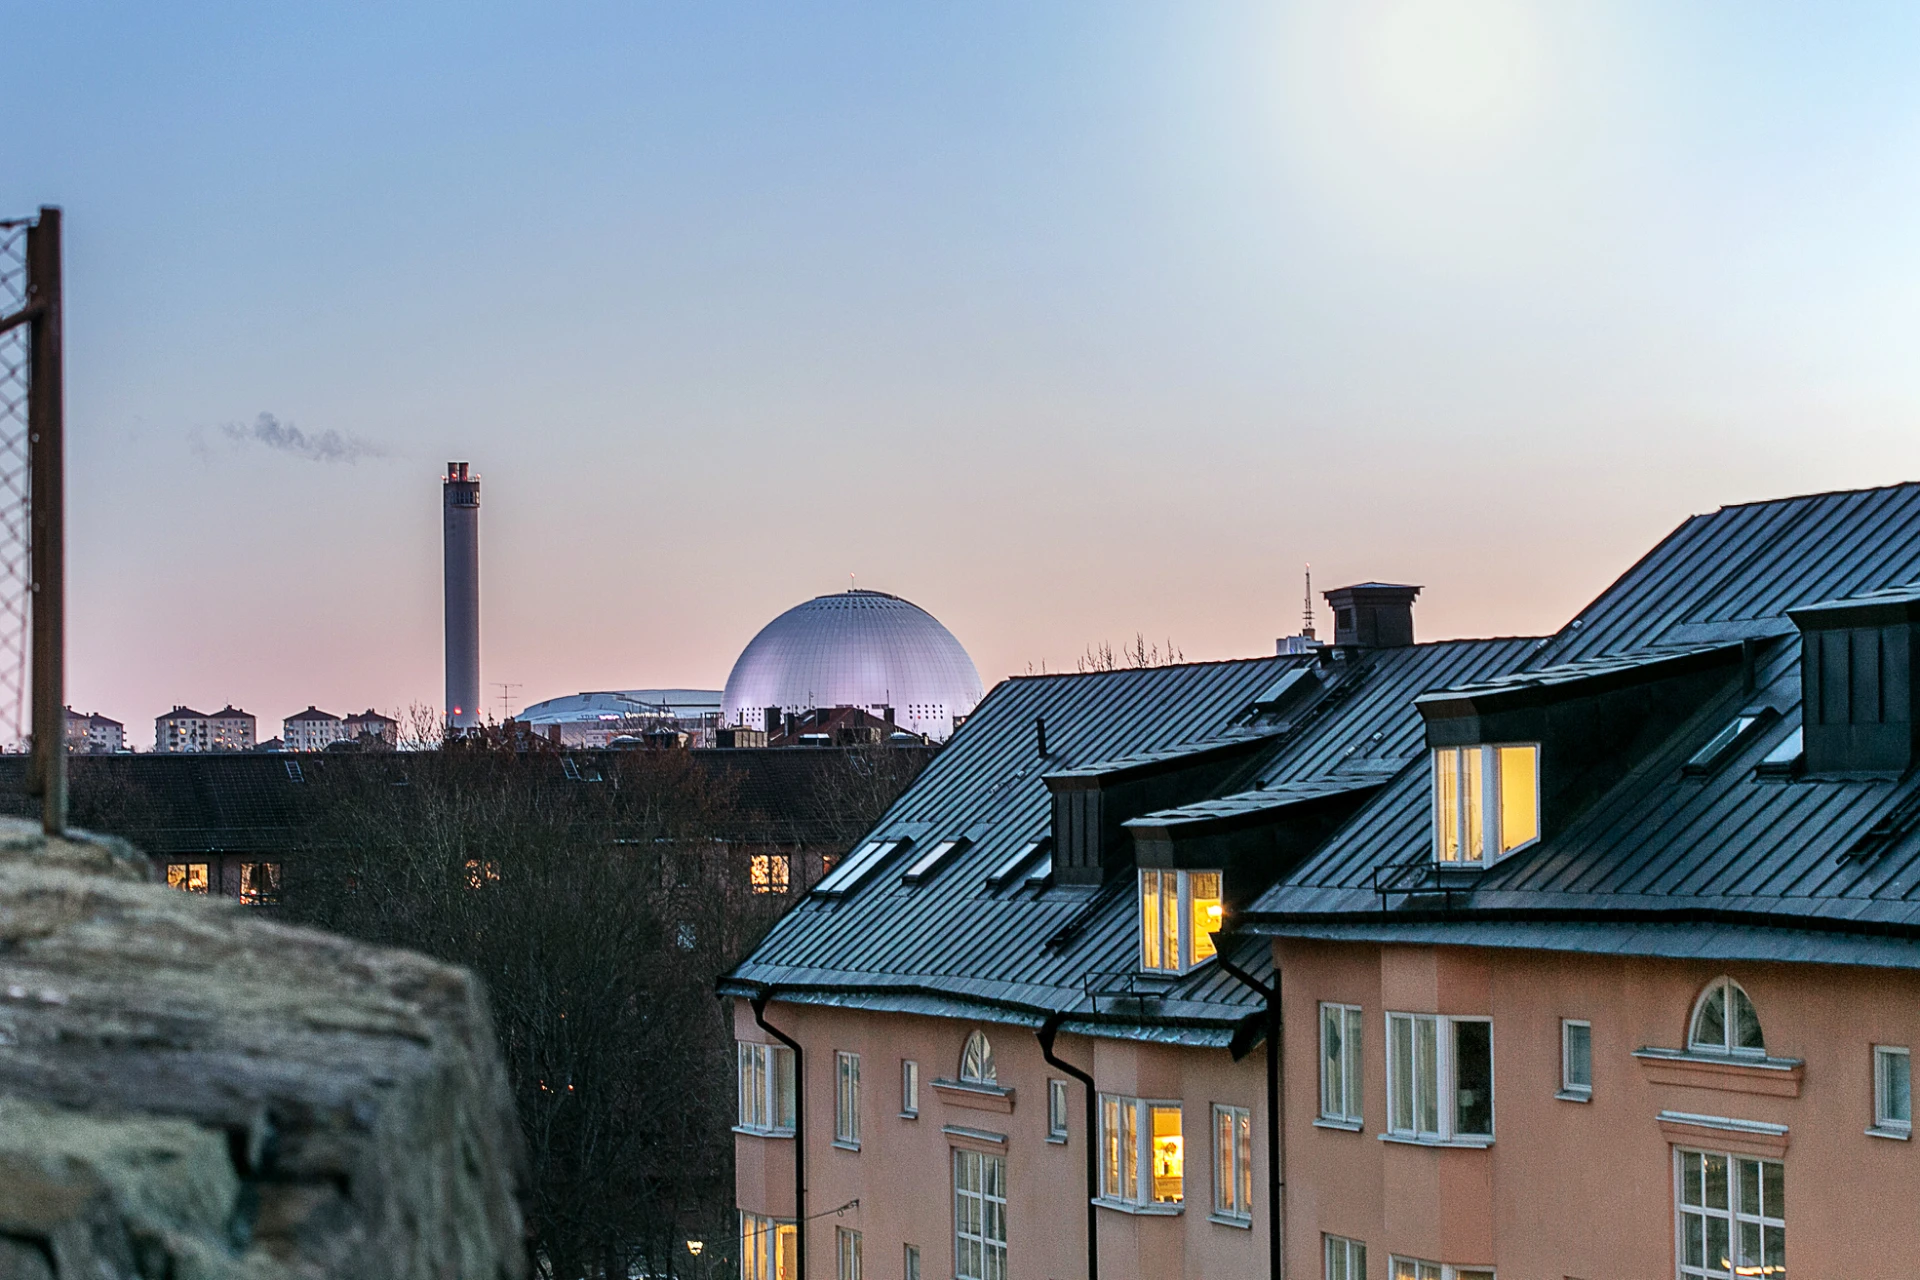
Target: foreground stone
188, 1090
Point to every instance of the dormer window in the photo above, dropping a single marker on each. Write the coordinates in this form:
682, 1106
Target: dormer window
1725, 1021
1180, 911
1486, 802
976, 1061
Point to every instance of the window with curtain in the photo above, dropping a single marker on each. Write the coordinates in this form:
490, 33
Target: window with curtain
1486, 802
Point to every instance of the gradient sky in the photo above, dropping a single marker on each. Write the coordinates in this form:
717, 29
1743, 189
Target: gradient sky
1065, 321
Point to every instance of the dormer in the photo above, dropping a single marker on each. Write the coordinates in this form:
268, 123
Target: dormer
1092, 803
1514, 760
1856, 680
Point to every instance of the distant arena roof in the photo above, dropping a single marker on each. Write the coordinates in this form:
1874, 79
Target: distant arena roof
616, 704
863, 649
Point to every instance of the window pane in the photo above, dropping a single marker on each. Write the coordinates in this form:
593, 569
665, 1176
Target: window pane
1776, 1258
1690, 1177
1203, 887
1245, 1149
1694, 1231
782, 1058
1473, 1077
1472, 796
1519, 796
1746, 1023
1332, 1090
1446, 804
1169, 919
1150, 919
1426, 1058
1336, 1259
1400, 1101
1130, 1150
1351, 1073
1747, 1186
1169, 1155
1719, 1252
1110, 1146
1714, 1181
1896, 1087
1579, 1055
1774, 1195
1710, 1024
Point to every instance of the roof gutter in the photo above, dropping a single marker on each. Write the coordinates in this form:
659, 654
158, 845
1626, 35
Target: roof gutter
1276, 1120
1045, 1033
759, 1001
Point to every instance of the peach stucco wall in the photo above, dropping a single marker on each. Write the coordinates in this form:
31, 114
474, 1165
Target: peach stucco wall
902, 1174
1585, 1190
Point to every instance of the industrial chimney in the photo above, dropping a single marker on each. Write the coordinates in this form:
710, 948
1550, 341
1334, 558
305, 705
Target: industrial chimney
460, 518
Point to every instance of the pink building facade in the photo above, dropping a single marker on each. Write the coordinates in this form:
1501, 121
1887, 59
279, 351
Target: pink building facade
1587, 955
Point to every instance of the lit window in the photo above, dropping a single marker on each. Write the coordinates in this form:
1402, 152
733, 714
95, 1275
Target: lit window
1433, 1060
481, 873
766, 1088
768, 872
1130, 1175
909, 1088
1892, 1091
189, 877
1340, 1063
976, 1060
1180, 911
1724, 1021
1346, 1259
1419, 1269
1732, 1212
1056, 1110
1233, 1162
979, 1216
1486, 802
846, 1100
1576, 1059
847, 1248
259, 883
767, 1248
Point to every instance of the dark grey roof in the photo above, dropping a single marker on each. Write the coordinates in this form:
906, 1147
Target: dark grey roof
955, 945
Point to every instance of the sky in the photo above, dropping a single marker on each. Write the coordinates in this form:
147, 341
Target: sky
1068, 322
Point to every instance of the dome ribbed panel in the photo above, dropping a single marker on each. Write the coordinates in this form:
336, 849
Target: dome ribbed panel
855, 649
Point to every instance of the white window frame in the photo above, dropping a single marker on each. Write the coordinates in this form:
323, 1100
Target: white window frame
1233, 1155
1491, 782
846, 1100
765, 1108
1740, 1221
1399, 1265
909, 1089
1572, 1090
1726, 1047
762, 1242
976, 1061
1059, 1110
846, 1250
1342, 1258
1348, 1114
1446, 1099
1885, 1123
910, 1262
1126, 1131
1186, 946
979, 1205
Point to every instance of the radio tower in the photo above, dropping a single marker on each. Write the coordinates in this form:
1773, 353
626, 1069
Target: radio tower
1306, 612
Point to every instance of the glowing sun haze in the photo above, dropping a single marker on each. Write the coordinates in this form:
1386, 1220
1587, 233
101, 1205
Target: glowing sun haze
1065, 322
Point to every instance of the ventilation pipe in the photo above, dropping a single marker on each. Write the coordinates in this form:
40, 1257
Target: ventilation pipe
1040, 734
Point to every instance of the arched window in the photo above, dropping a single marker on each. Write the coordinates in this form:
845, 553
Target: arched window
976, 1060
1724, 1021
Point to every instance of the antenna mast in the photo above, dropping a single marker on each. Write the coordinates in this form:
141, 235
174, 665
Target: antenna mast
1306, 613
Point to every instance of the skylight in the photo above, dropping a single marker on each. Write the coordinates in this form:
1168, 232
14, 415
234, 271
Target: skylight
849, 875
1720, 746
1003, 875
931, 861
1783, 758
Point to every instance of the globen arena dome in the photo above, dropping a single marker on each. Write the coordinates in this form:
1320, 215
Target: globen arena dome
864, 649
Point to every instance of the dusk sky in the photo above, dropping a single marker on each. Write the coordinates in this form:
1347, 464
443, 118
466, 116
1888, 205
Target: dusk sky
1065, 321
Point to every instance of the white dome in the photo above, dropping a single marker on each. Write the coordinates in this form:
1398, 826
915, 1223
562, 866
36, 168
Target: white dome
863, 649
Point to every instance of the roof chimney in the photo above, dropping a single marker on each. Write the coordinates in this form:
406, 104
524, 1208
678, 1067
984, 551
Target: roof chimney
1373, 615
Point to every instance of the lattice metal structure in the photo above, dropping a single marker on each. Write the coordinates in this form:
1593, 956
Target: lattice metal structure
16, 587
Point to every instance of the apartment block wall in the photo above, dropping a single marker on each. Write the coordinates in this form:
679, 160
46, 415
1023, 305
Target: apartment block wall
1587, 1189
903, 1173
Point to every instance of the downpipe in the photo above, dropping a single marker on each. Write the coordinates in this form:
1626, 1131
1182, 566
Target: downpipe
759, 1003
1046, 1033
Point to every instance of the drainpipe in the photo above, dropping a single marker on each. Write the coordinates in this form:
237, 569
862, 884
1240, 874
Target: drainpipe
799, 1133
1046, 1033
1276, 1119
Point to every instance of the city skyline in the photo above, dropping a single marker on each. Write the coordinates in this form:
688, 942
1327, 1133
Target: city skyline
1063, 324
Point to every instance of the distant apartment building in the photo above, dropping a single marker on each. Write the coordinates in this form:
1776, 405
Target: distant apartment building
371, 724
181, 730
312, 730
94, 734
231, 729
